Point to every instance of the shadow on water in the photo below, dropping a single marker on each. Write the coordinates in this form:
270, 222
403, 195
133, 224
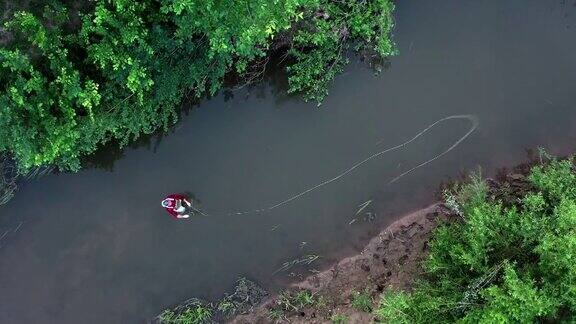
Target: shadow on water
265, 80
269, 77
268, 80
108, 154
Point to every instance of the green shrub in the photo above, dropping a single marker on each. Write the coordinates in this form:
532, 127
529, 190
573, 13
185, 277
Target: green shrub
500, 264
276, 315
80, 73
194, 314
362, 301
303, 298
294, 301
227, 307
319, 48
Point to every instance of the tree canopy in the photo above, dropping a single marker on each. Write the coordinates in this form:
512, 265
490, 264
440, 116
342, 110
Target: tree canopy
76, 76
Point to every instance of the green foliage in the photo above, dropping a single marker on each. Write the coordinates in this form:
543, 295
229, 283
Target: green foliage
276, 315
241, 30
362, 301
291, 301
294, 301
284, 301
394, 307
501, 264
41, 102
227, 307
245, 297
195, 314
303, 298
319, 47
557, 181
339, 319
118, 69
321, 302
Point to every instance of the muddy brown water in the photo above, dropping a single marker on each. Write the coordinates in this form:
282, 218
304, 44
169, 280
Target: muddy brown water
96, 247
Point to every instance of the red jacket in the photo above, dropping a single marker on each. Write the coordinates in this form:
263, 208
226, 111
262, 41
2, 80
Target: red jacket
172, 200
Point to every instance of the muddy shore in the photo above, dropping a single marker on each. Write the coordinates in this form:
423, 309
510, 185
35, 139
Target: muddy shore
390, 260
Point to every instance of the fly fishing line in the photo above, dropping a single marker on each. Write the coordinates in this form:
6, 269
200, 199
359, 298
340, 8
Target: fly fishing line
473, 126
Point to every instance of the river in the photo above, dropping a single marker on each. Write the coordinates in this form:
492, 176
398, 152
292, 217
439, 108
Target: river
96, 246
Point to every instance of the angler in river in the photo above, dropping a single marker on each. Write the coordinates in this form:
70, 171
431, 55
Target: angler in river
174, 205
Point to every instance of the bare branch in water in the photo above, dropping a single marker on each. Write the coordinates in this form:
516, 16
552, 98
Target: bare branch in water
306, 260
363, 206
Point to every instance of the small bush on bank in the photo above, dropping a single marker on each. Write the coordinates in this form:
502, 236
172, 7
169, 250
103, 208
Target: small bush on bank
196, 314
303, 299
292, 301
500, 263
362, 301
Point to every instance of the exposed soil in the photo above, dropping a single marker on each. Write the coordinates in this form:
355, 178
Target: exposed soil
390, 260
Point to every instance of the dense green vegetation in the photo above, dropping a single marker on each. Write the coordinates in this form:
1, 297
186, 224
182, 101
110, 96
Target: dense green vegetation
74, 75
504, 261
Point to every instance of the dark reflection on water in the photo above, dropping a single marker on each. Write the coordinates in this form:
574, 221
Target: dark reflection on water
96, 247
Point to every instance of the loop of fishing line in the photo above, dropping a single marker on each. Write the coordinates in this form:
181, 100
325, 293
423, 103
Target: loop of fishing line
473, 126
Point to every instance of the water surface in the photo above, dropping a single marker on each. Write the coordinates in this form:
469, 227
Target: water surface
96, 247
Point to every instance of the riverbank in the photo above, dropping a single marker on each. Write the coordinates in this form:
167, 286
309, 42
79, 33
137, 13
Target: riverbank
495, 249
350, 290
503, 252
390, 260
346, 290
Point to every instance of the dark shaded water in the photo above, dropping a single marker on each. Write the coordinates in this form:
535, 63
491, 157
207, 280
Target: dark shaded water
96, 247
